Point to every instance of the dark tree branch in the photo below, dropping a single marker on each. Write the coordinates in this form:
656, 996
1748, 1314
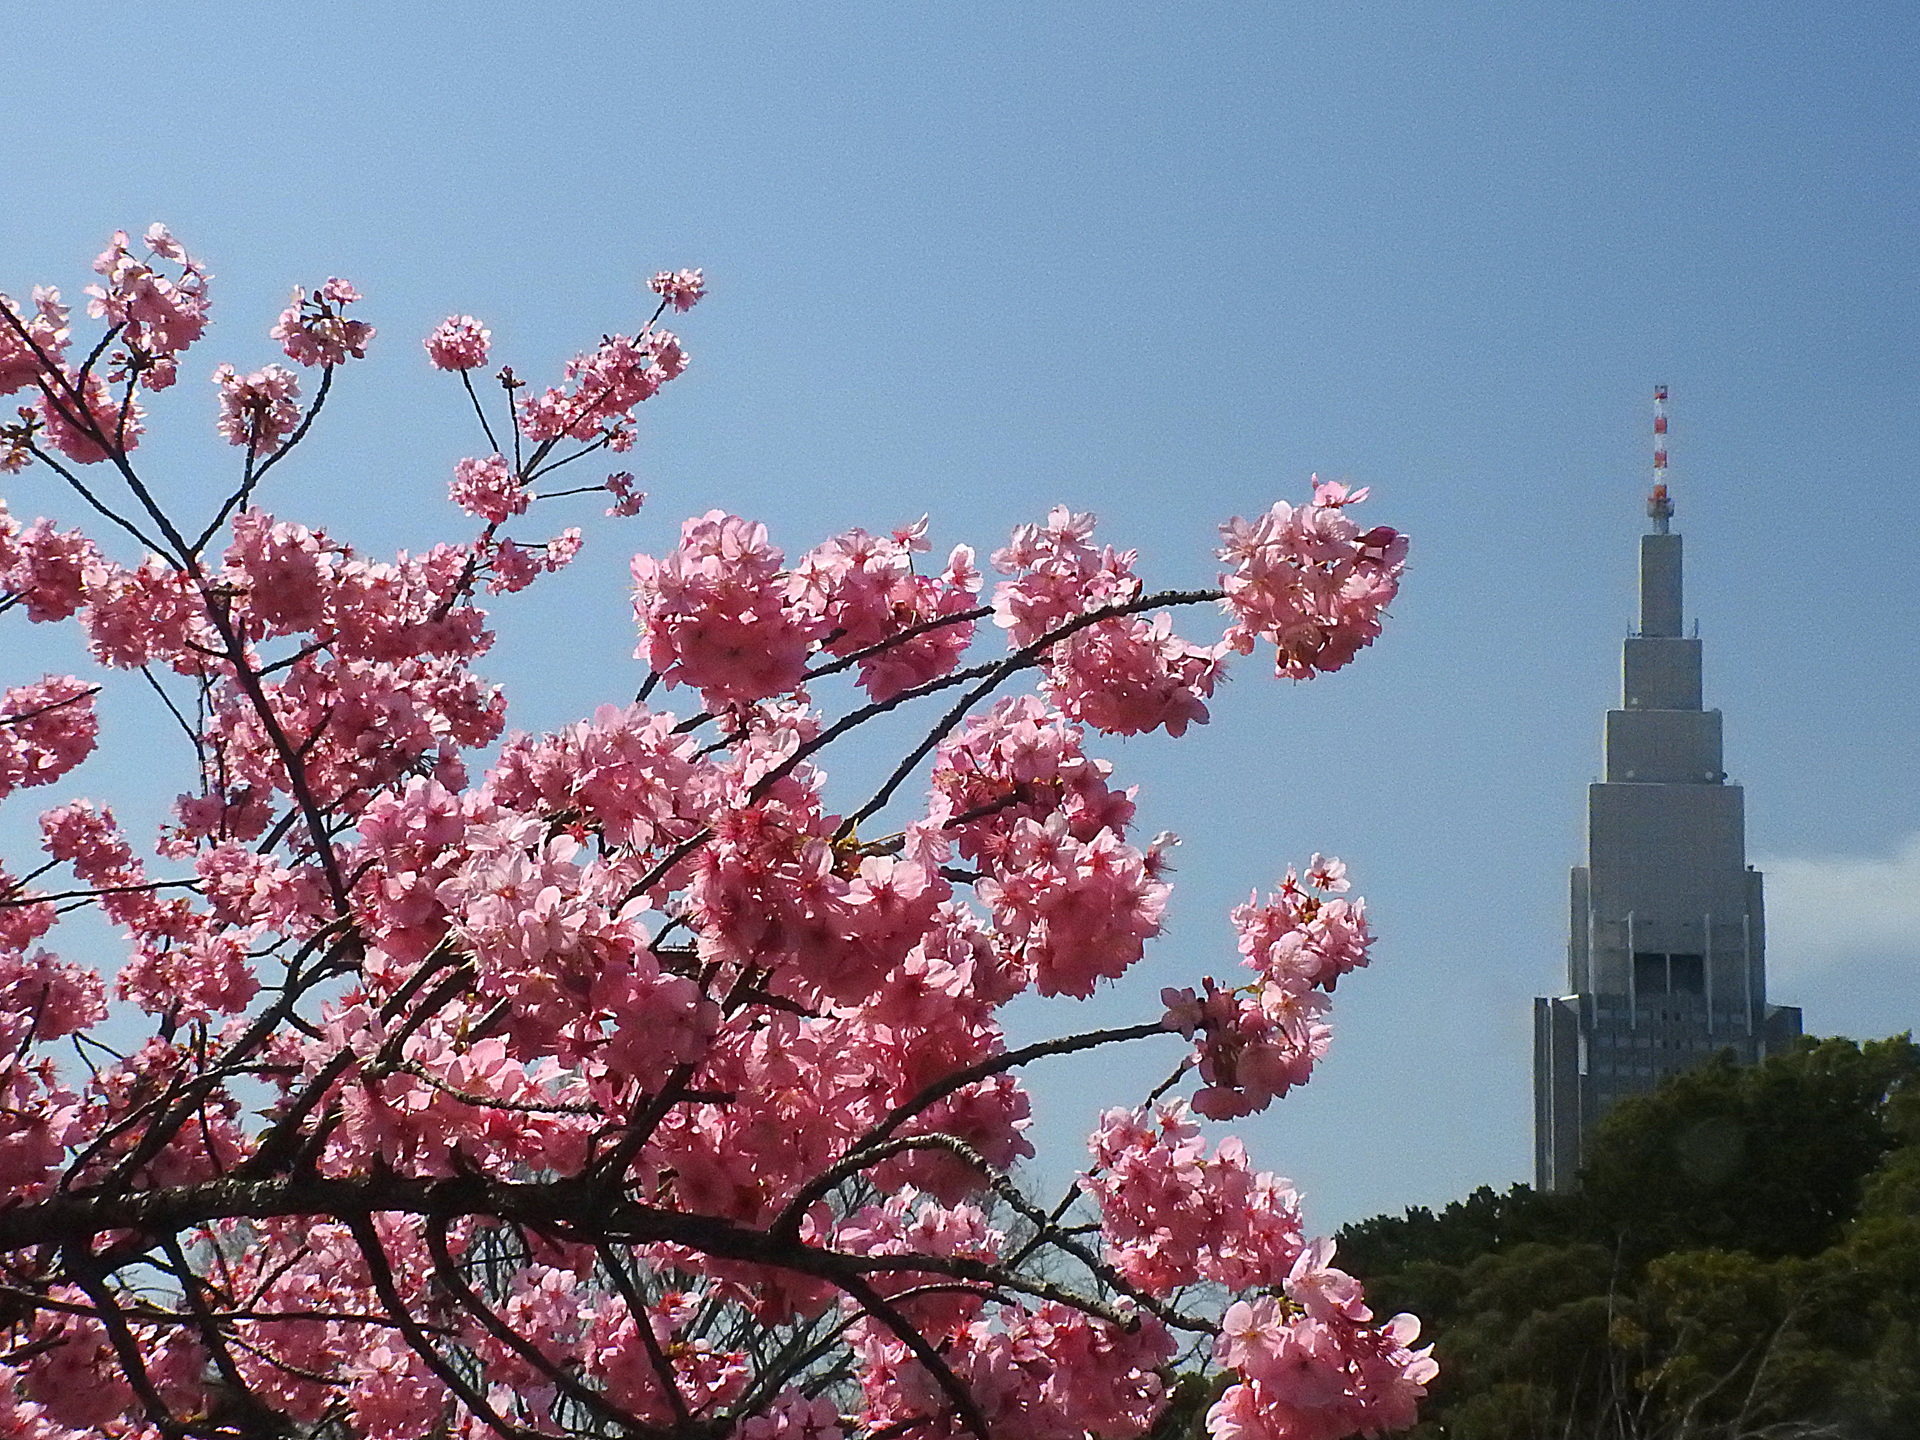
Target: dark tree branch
456, 1285
1020, 659
789, 1220
381, 1273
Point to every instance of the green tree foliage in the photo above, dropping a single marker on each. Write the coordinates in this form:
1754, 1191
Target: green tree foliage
1742, 1260
1770, 1159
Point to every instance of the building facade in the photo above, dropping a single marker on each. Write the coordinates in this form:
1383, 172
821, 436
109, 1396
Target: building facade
1666, 950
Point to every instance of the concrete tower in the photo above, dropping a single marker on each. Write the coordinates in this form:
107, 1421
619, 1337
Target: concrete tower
1666, 955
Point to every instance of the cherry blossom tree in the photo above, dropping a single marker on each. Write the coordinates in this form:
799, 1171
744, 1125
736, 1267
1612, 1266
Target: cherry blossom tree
620, 1081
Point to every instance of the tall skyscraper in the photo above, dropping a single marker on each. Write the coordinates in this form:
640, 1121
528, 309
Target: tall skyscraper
1666, 953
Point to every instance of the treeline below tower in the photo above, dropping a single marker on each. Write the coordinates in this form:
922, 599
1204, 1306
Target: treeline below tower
1739, 1261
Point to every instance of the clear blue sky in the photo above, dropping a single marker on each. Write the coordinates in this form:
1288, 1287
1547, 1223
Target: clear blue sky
1158, 261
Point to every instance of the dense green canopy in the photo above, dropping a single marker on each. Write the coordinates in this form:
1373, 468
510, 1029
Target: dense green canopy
1742, 1260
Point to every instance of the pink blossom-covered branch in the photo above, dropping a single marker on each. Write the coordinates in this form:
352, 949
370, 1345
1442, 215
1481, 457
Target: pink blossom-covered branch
607, 1080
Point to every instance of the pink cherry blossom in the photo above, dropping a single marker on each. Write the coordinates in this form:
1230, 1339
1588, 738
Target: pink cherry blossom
45, 730
87, 838
1021, 760
258, 410
157, 315
1057, 575
603, 386
134, 617
1327, 874
1080, 910
792, 1416
1172, 1214
488, 488
1255, 1047
1297, 939
1049, 1373
1321, 1380
865, 590
682, 289
1309, 580
314, 329
32, 341
652, 1073
203, 977
626, 499
1323, 1292
1129, 676
84, 420
459, 342
43, 568
46, 996
1124, 675
714, 614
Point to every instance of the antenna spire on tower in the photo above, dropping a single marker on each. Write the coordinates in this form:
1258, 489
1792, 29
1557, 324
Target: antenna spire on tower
1659, 505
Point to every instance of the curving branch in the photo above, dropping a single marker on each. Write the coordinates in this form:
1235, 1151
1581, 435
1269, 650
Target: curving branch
455, 1284
1028, 655
933, 1093
381, 1273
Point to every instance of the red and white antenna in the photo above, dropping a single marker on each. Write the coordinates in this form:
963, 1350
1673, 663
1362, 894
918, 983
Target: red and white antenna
1659, 504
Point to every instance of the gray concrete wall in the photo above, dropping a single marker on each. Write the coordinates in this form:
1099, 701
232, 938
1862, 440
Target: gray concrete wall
1677, 747
1660, 585
1580, 911
1660, 673
1667, 848
1557, 1101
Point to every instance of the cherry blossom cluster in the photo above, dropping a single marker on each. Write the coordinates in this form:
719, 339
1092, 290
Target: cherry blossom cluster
1048, 1372
157, 315
258, 410
722, 613
713, 612
153, 315
1045, 1370
682, 289
1306, 1358
630, 1078
868, 597
1308, 1375
315, 330
601, 389
1124, 674
42, 568
1259, 1041
627, 500
489, 489
30, 339
459, 342
1310, 580
45, 730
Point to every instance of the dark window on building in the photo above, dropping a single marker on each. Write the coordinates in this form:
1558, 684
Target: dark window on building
1649, 973
1687, 975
